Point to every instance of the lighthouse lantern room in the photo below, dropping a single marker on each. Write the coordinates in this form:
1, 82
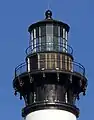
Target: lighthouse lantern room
49, 81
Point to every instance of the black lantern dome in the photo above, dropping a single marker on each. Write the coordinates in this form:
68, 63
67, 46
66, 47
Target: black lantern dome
50, 78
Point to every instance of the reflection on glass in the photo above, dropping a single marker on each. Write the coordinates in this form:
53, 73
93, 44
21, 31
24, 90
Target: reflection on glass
39, 31
34, 33
43, 38
31, 40
43, 30
49, 29
64, 33
39, 44
55, 43
64, 45
49, 37
60, 44
55, 30
39, 39
66, 36
49, 43
34, 49
43, 43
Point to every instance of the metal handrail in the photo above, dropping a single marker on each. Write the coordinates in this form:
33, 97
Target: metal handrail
76, 67
80, 66
20, 69
57, 48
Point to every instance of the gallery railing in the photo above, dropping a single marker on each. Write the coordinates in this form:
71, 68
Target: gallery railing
66, 66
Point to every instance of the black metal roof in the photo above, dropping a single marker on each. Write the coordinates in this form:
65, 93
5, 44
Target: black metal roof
48, 20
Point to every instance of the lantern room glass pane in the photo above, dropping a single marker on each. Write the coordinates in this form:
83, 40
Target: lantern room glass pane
34, 48
55, 30
31, 35
37, 44
43, 38
64, 45
49, 29
55, 37
43, 30
49, 43
43, 43
39, 31
64, 33
31, 39
58, 30
64, 40
49, 37
60, 44
55, 43
34, 33
39, 38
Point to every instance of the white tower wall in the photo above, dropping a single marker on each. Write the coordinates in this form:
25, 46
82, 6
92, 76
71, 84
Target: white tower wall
49, 114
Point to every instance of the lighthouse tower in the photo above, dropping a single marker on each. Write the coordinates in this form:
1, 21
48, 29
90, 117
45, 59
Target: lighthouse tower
50, 81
